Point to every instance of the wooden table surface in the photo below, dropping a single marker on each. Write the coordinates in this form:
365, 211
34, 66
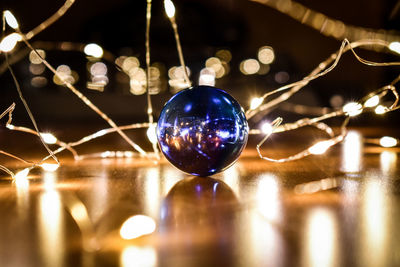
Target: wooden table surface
337, 209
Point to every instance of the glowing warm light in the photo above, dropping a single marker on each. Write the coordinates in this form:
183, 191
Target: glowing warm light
9, 42
133, 256
48, 138
388, 141
79, 212
22, 174
98, 69
256, 102
395, 47
232, 178
10, 19
93, 50
321, 147
151, 134
169, 8
215, 64
49, 167
224, 55
137, 226
352, 152
266, 128
207, 77
64, 74
388, 161
10, 126
51, 228
352, 109
321, 236
266, 55
316, 186
129, 63
380, 109
376, 216
249, 66
372, 102
268, 203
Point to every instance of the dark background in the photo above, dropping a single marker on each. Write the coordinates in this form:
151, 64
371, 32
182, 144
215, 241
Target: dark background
205, 26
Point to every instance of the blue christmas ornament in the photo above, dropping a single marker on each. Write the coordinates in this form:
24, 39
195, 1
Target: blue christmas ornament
202, 130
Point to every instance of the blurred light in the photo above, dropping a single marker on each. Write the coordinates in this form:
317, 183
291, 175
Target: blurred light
79, 212
169, 8
207, 77
282, 77
321, 147
93, 50
351, 152
98, 68
34, 58
49, 167
152, 135
215, 64
138, 81
266, 55
134, 256
266, 128
9, 42
39, 81
256, 102
268, 197
264, 69
130, 63
372, 102
48, 138
154, 73
232, 178
36, 69
137, 226
336, 101
352, 109
388, 141
316, 186
395, 47
321, 237
377, 218
249, 66
22, 183
179, 72
380, 109
22, 174
64, 75
388, 161
11, 20
120, 60
224, 55
100, 80
64, 69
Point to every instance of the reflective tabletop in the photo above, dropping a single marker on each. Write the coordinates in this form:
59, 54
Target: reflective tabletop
337, 209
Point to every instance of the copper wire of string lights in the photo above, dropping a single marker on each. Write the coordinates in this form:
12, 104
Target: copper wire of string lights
151, 131
367, 104
170, 11
356, 108
326, 25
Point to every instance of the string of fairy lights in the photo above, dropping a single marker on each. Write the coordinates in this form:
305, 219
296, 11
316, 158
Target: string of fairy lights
373, 102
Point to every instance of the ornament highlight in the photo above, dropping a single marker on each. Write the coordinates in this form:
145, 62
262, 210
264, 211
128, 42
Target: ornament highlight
202, 130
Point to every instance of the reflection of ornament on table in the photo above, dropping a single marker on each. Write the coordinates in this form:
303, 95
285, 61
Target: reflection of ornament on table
202, 130
198, 211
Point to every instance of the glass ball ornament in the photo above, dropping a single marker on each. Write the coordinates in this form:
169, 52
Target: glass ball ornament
202, 130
